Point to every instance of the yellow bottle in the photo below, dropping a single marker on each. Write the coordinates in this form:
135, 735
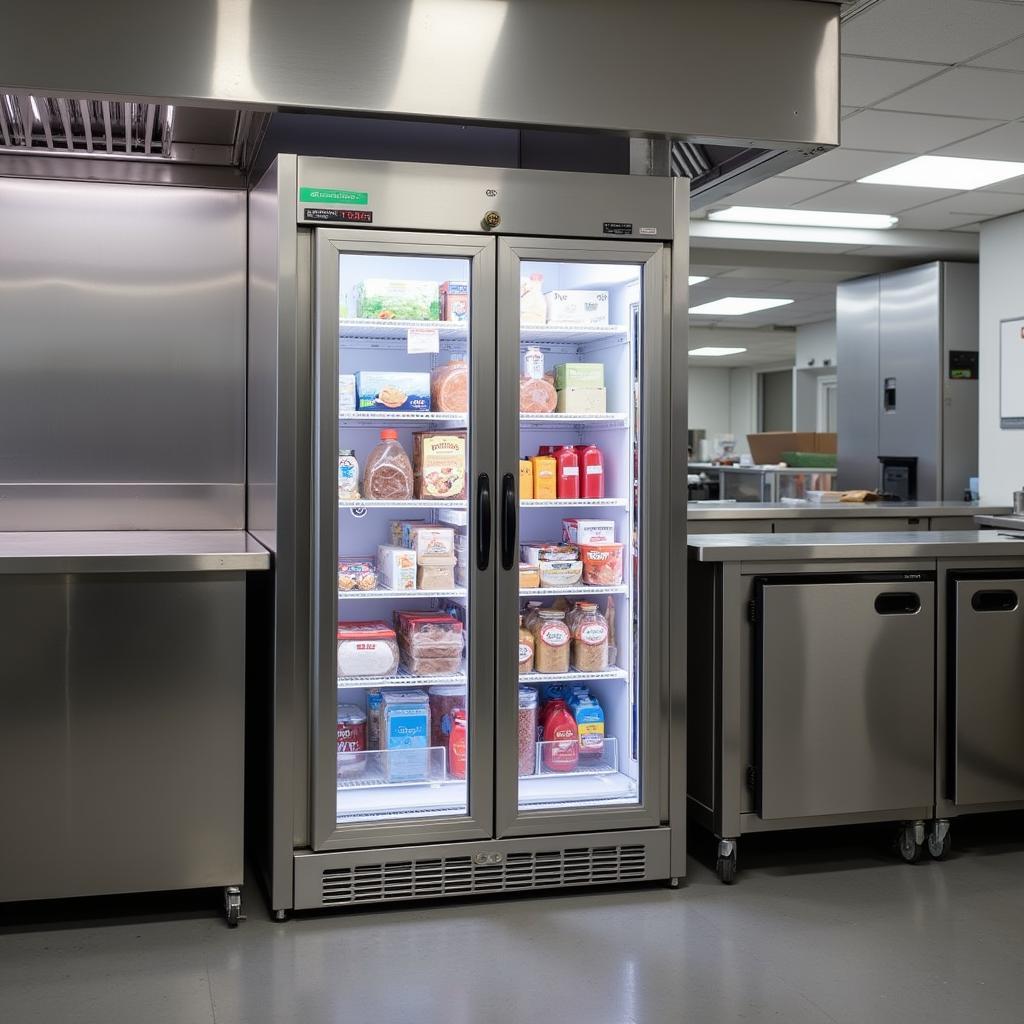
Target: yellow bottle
544, 483
525, 480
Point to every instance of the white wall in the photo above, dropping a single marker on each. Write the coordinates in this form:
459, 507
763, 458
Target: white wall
817, 342
1000, 297
742, 406
709, 400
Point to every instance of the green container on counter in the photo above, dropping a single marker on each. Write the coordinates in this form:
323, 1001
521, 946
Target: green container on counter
810, 460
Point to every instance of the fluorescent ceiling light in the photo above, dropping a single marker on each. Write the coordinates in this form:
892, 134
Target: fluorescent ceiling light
945, 172
696, 279
735, 305
712, 350
803, 218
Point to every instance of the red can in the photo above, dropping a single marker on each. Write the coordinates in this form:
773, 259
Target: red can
457, 745
567, 472
591, 471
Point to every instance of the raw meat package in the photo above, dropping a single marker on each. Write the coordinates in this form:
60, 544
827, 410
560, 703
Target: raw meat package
577, 306
602, 564
384, 299
579, 375
439, 463
367, 649
443, 701
356, 573
582, 400
405, 735
449, 387
392, 391
396, 567
454, 297
588, 531
388, 475
537, 395
430, 643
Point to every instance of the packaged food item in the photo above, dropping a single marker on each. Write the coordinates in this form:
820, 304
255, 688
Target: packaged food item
428, 540
561, 749
356, 573
454, 516
533, 363
439, 463
351, 740
588, 531
430, 643
388, 474
386, 299
585, 400
530, 615
589, 638
589, 717
405, 735
537, 395
576, 306
525, 480
374, 709
449, 387
551, 641
444, 700
366, 649
534, 552
436, 577
458, 745
602, 564
609, 615
591, 471
567, 472
579, 375
529, 576
454, 299
398, 529
526, 646
396, 567
532, 307
348, 475
393, 391
346, 392
560, 574
545, 486
527, 730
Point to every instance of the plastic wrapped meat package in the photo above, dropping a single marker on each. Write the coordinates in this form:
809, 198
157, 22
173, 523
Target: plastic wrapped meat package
430, 643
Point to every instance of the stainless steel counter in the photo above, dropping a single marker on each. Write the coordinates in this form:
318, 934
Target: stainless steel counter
712, 510
131, 551
1007, 522
787, 547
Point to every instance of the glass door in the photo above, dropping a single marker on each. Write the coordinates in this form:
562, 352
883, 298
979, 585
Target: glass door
581, 390
404, 580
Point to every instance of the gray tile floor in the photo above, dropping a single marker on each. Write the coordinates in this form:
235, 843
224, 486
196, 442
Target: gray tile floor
825, 928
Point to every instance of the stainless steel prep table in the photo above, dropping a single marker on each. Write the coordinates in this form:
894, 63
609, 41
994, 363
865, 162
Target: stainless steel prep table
777, 517
835, 661
122, 711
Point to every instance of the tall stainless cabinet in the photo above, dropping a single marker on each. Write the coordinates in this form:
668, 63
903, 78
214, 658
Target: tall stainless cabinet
908, 380
420, 338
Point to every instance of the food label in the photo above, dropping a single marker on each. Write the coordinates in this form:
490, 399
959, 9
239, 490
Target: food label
570, 471
554, 634
525, 653
591, 736
594, 633
595, 470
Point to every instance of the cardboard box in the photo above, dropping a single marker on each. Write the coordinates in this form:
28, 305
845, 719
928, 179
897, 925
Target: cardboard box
396, 567
579, 375
577, 306
454, 301
439, 463
588, 531
379, 298
582, 400
428, 541
346, 392
766, 449
393, 391
436, 577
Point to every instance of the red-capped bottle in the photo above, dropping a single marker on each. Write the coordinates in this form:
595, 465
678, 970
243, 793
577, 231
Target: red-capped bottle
567, 472
561, 738
591, 471
457, 745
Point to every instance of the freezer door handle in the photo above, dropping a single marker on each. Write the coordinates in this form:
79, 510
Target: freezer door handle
483, 522
994, 601
509, 517
898, 604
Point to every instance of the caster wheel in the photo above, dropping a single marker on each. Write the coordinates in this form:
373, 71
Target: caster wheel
909, 847
673, 883
233, 905
280, 915
725, 868
939, 841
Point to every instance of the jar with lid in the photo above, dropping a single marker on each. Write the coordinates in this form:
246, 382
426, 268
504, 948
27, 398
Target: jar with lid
551, 641
527, 730
526, 648
348, 475
589, 638
351, 740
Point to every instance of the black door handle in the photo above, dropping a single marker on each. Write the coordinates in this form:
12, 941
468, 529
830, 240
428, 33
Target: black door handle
483, 521
898, 604
994, 601
509, 518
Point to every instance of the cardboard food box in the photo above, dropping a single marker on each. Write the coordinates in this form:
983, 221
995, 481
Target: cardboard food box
393, 391
577, 306
379, 298
439, 463
582, 400
396, 567
579, 375
588, 531
766, 449
454, 301
436, 577
428, 540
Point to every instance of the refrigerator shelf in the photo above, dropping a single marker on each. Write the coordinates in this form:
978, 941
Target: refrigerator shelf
400, 678
604, 763
374, 418
572, 418
575, 334
397, 330
431, 762
415, 595
574, 675
411, 503
572, 503
580, 590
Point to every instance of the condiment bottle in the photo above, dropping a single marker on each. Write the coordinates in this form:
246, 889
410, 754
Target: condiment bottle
457, 745
561, 738
526, 647
567, 472
348, 475
533, 363
591, 471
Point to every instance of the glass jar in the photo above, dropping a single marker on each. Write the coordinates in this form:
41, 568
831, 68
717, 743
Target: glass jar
551, 641
589, 639
527, 730
526, 645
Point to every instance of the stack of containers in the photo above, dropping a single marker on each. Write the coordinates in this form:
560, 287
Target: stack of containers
580, 388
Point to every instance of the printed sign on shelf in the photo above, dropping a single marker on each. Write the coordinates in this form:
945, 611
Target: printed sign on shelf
423, 339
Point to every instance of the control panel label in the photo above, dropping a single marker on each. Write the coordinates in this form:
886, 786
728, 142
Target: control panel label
617, 227
344, 196
345, 216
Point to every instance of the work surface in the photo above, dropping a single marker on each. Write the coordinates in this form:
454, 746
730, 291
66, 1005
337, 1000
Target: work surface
711, 510
796, 547
819, 930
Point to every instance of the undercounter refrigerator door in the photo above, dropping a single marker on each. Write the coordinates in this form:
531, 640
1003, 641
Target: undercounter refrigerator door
845, 694
404, 573
582, 404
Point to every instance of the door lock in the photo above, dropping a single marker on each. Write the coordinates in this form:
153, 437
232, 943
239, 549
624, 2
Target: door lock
491, 219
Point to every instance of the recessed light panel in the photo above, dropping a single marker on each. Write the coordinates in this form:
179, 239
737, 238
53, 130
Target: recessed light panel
735, 305
945, 172
803, 218
712, 350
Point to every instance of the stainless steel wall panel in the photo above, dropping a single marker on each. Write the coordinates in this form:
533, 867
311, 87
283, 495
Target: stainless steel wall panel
122, 347
857, 340
960, 396
650, 67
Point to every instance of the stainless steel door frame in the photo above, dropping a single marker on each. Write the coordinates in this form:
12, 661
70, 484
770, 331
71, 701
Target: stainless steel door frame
654, 527
478, 824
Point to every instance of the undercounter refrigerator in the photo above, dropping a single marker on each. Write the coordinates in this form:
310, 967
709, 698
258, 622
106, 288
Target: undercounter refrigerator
467, 453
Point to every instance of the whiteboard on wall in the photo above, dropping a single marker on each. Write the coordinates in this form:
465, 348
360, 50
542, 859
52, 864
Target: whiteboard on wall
1011, 374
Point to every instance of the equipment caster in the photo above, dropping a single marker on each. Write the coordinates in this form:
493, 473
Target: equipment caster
725, 866
939, 839
233, 905
673, 883
280, 915
910, 841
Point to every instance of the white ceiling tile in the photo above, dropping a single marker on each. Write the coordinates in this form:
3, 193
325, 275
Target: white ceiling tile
949, 31
1009, 57
777, 192
857, 198
843, 165
1003, 143
908, 133
966, 92
958, 210
866, 80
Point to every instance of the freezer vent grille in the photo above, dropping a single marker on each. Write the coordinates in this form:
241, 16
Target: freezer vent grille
463, 876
